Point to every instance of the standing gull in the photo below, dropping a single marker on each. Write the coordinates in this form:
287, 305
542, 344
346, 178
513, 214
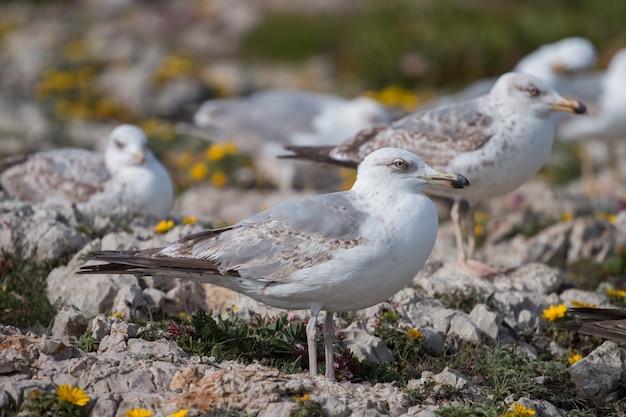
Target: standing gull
266, 121
499, 141
128, 178
333, 252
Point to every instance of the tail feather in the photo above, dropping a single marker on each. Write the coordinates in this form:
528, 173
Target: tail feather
149, 262
607, 323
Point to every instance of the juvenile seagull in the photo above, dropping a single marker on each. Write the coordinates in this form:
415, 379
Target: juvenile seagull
334, 252
266, 121
128, 178
499, 141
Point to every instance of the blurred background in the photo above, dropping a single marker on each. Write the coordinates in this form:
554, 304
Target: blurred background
72, 70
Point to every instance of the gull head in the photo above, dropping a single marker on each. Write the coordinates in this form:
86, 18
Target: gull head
397, 169
527, 94
127, 146
565, 56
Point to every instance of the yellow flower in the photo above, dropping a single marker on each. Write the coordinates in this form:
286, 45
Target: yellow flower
554, 312
574, 358
138, 412
305, 397
612, 218
479, 230
180, 413
164, 226
219, 179
189, 220
235, 308
518, 410
220, 150
72, 395
415, 334
199, 171
612, 292
118, 315
583, 304
567, 216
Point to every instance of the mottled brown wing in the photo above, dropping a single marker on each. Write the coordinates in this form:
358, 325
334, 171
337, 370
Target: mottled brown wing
437, 135
62, 176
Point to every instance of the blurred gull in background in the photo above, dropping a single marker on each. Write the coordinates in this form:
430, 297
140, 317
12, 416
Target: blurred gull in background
127, 178
607, 118
266, 121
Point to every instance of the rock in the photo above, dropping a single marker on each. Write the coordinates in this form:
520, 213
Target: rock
38, 232
100, 327
17, 390
163, 350
535, 278
21, 351
574, 295
91, 294
462, 326
429, 384
591, 239
488, 322
364, 345
542, 408
69, 321
599, 375
282, 409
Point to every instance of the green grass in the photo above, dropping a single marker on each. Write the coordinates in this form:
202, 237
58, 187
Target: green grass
23, 301
459, 41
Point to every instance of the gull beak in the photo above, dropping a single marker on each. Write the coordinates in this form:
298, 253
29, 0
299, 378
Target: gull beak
570, 106
559, 68
139, 156
447, 179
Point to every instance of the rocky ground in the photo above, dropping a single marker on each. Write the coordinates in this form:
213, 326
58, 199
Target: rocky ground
448, 344
121, 368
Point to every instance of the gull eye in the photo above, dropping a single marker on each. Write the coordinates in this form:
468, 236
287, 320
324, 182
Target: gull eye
399, 164
533, 91
118, 144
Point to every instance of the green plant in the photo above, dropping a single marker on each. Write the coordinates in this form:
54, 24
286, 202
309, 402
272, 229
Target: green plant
22, 302
85, 342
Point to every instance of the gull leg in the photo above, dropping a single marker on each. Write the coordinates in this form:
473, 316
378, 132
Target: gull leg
455, 216
311, 338
329, 335
471, 266
471, 230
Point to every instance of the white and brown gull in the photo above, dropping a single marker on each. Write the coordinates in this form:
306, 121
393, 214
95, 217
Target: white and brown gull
498, 141
333, 252
126, 179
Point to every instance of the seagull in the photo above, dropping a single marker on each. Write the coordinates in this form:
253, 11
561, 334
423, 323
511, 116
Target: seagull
607, 323
333, 252
266, 121
607, 119
127, 178
499, 141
